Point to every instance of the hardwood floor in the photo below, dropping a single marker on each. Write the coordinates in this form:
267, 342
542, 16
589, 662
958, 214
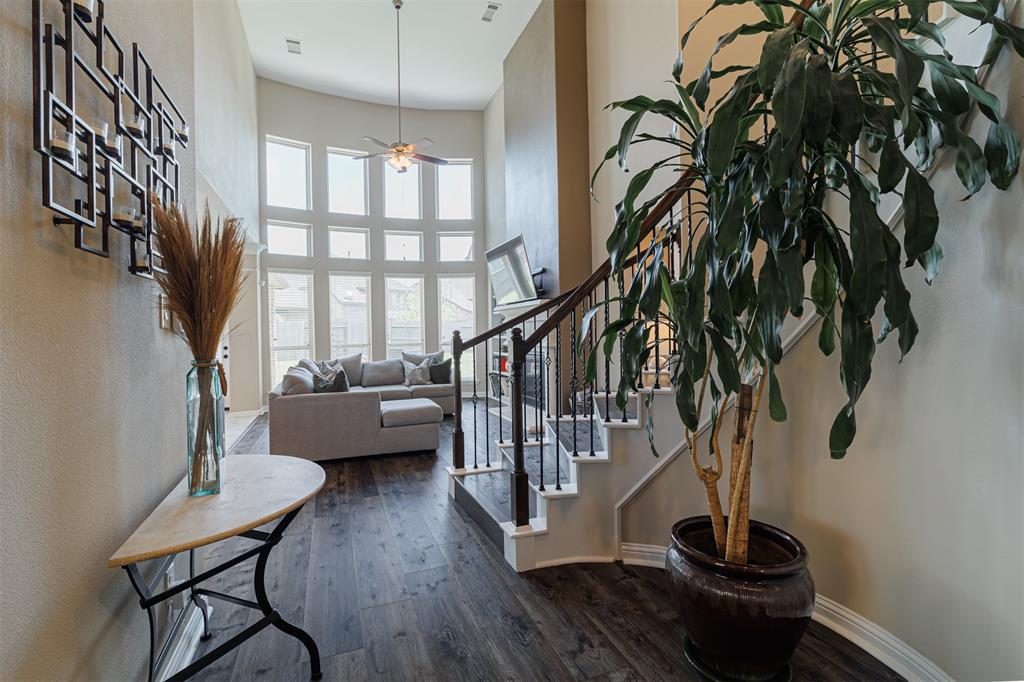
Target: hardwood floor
395, 582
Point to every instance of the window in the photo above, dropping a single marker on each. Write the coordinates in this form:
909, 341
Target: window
350, 315
455, 246
287, 174
455, 190
291, 319
403, 302
456, 297
403, 246
349, 242
346, 183
288, 239
402, 192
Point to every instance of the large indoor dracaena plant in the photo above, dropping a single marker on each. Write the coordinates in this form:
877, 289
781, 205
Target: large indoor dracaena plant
784, 171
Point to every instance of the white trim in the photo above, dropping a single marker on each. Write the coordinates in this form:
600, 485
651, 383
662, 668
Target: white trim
183, 650
587, 559
877, 641
869, 636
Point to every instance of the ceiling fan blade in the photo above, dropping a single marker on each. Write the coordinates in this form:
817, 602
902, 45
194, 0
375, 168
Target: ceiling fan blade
370, 156
376, 141
421, 143
430, 159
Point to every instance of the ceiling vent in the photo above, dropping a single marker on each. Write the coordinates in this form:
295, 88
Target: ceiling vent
489, 11
294, 46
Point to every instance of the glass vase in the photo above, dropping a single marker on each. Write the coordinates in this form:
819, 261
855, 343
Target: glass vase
204, 404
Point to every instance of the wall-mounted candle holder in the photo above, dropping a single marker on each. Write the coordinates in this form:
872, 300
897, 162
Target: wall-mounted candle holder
109, 166
84, 9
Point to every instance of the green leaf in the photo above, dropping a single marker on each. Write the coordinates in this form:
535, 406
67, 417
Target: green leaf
1002, 154
918, 8
773, 55
771, 308
626, 136
930, 261
724, 131
891, 168
897, 298
847, 107
782, 156
817, 101
772, 12
776, 407
728, 370
951, 96
857, 344
791, 272
790, 93
823, 283
868, 278
921, 218
844, 428
909, 66
827, 337
970, 164
685, 404
908, 333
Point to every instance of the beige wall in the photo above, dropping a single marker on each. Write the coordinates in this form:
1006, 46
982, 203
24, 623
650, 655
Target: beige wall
631, 46
326, 121
918, 528
92, 428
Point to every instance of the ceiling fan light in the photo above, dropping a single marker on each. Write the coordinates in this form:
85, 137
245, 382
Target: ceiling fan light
400, 162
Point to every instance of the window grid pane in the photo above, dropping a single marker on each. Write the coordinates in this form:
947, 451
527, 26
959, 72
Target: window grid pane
288, 240
404, 315
457, 302
455, 246
291, 319
287, 174
350, 315
406, 246
349, 243
402, 192
455, 191
346, 178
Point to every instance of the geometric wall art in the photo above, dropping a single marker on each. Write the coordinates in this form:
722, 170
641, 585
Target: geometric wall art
107, 130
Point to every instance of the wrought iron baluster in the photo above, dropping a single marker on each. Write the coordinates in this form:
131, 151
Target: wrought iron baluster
475, 399
538, 384
589, 406
574, 382
607, 362
501, 374
558, 406
622, 353
536, 398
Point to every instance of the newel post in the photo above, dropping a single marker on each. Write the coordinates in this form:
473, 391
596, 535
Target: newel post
520, 481
458, 438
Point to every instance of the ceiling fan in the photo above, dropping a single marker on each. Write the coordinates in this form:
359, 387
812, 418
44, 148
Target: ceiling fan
400, 155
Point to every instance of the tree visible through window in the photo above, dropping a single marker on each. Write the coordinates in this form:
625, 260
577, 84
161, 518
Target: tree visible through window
291, 319
456, 296
404, 315
350, 315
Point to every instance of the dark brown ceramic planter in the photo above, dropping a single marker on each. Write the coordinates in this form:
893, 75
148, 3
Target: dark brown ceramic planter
742, 621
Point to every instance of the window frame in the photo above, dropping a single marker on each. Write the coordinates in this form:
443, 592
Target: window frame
365, 231
312, 312
287, 142
369, 309
456, 233
341, 151
423, 308
437, 191
292, 224
384, 192
419, 233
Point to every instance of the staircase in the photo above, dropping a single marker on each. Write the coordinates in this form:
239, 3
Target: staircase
542, 465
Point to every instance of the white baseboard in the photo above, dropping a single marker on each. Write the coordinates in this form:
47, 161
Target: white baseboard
874, 639
183, 650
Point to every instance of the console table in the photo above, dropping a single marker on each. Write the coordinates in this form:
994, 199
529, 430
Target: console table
257, 489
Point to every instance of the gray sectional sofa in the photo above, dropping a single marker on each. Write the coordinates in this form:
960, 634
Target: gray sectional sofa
378, 414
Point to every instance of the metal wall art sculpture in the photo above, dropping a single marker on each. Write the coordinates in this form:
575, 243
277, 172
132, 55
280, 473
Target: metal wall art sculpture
107, 140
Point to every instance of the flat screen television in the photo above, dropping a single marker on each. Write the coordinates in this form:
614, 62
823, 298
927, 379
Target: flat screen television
509, 269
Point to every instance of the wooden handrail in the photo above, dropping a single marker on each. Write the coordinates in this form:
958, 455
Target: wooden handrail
660, 210
518, 319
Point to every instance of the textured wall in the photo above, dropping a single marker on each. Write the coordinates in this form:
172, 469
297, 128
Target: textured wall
92, 406
494, 168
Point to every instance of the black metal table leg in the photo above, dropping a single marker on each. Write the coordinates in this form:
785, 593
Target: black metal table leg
148, 600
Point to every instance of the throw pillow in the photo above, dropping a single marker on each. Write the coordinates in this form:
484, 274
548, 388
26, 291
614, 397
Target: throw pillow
297, 381
441, 372
353, 366
331, 381
311, 366
417, 375
383, 373
417, 359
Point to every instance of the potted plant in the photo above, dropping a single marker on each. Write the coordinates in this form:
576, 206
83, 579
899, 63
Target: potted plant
834, 115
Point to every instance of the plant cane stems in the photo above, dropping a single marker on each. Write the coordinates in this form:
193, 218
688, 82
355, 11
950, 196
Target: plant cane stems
732, 549
743, 413
205, 430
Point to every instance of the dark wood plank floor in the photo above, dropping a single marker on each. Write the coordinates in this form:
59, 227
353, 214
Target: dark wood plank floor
395, 582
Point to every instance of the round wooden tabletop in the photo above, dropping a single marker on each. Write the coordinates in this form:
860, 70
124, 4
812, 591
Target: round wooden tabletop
255, 489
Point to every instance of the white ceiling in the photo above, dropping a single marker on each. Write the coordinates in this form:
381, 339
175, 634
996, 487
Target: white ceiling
451, 59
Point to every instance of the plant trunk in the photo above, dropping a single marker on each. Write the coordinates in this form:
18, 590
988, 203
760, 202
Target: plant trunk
715, 511
737, 509
744, 403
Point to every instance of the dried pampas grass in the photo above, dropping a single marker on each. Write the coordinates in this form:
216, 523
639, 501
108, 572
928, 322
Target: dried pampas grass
202, 278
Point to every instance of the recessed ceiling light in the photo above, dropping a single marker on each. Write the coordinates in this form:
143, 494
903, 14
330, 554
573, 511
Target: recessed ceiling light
489, 11
294, 45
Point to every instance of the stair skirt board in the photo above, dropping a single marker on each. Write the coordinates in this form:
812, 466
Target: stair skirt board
874, 639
